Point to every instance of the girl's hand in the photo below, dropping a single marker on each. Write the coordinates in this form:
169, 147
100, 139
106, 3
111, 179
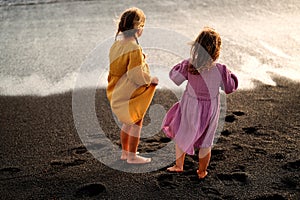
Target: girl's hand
145, 56
154, 80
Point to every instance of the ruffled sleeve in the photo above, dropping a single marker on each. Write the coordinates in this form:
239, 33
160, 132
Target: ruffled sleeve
137, 70
179, 72
229, 80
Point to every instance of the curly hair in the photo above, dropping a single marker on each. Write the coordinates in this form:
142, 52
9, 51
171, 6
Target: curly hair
205, 50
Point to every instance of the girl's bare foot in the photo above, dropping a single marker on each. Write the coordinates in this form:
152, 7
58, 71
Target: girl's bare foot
175, 168
124, 155
202, 175
138, 160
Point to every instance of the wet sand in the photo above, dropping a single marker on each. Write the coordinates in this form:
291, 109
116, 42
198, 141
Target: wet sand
256, 156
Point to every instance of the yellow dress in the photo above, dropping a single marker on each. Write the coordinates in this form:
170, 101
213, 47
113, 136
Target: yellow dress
129, 89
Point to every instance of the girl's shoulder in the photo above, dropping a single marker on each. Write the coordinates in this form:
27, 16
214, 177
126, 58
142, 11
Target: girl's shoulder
221, 67
182, 66
124, 47
131, 45
186, 62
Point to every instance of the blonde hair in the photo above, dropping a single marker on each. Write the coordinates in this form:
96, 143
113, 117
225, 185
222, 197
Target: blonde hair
205, 50
130, 21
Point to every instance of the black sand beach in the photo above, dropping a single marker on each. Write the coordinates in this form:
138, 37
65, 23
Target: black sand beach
43, 43
256, 157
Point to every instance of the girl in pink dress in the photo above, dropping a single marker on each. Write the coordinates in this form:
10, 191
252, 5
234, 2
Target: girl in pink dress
192, 122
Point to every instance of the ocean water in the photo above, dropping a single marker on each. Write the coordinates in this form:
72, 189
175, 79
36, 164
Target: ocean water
49, 47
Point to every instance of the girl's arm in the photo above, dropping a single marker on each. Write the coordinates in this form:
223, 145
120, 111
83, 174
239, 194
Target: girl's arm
229, 80
179, 73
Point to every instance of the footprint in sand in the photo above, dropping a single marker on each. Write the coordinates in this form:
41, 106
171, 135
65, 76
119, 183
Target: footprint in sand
291, 182
152, 144
292, 166
260, 151
151, 140
250, 130
287, 182
278, 156
167, 181
226, 133
190, 166
269, 197
210, 190
253, 131
158, 139
96, 146
241, 178
90, 190
238, 113
164, 140
67, 163
237, 147
218, 154
78, 150
230, 118
9, 170
240, 168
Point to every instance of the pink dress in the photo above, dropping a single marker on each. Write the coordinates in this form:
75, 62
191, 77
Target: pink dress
192, 122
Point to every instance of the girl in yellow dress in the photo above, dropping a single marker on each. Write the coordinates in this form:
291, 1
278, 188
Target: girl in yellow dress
130, 87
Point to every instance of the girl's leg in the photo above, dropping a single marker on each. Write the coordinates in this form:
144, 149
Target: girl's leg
134, 139
180, 156
124, 135
204, 158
